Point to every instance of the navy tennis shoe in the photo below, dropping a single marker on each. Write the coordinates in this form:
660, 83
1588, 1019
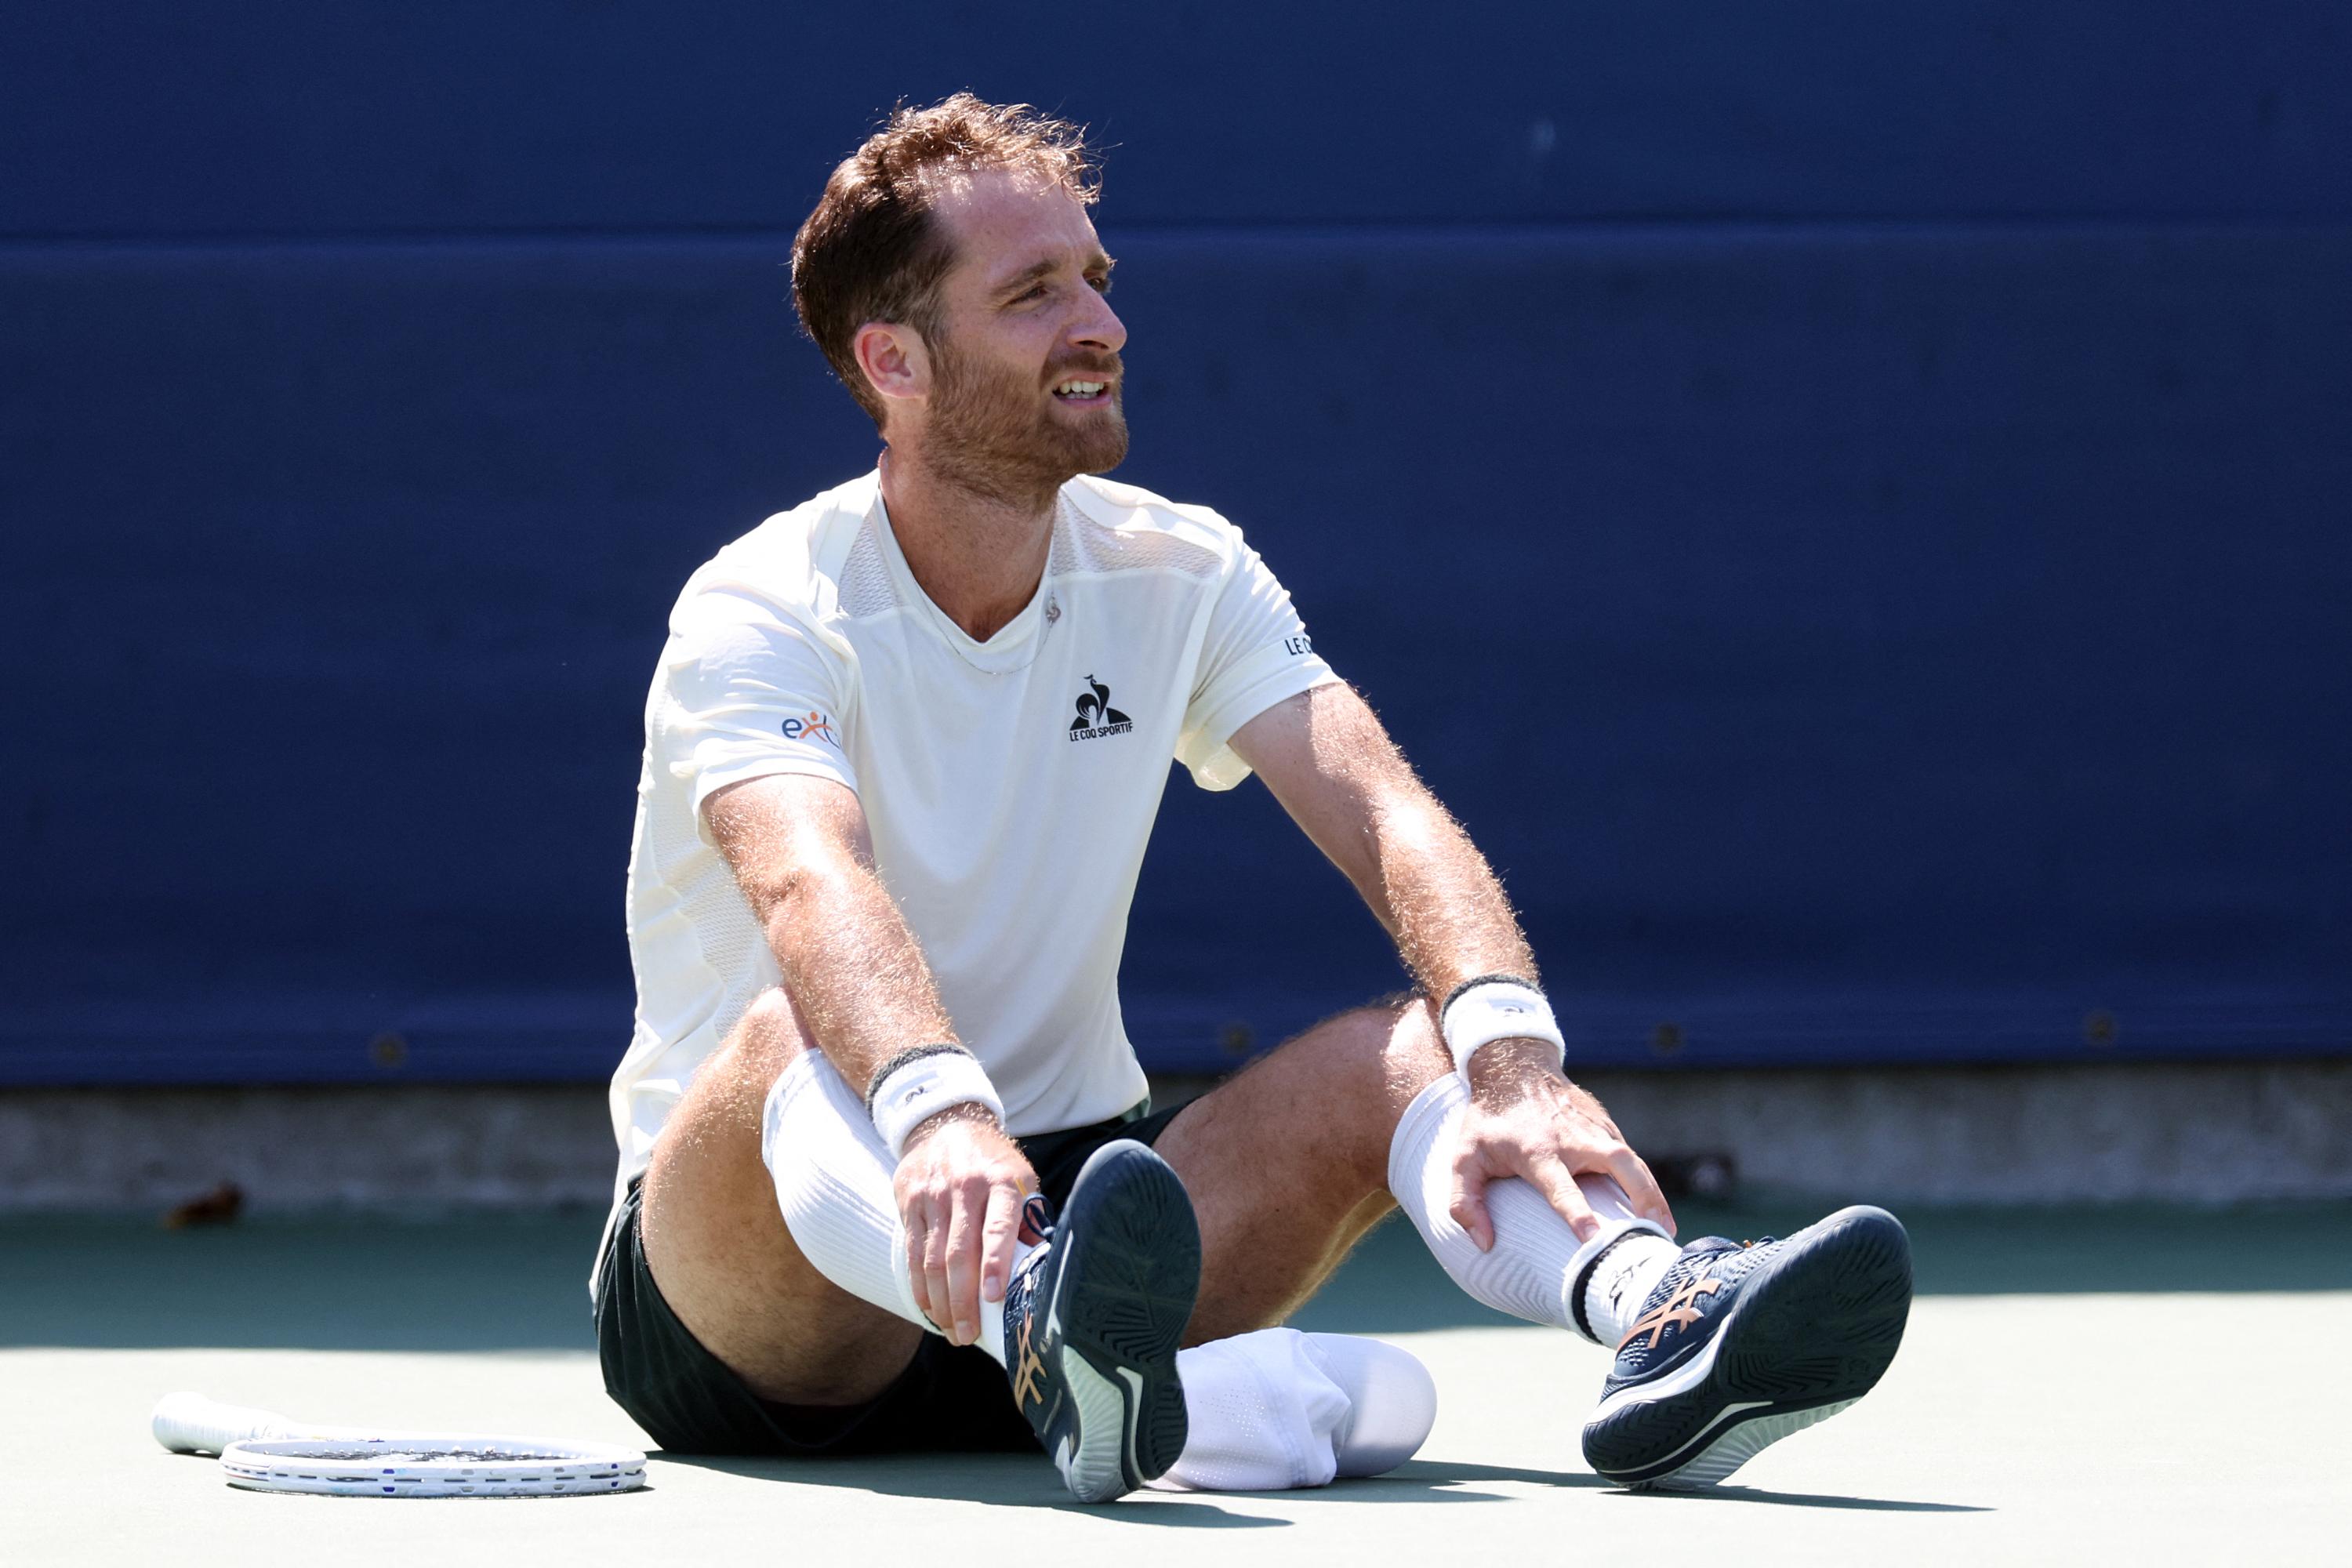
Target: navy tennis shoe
1093, 1319
1741, 1344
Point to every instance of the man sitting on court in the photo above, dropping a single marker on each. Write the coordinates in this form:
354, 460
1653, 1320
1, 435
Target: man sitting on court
889, 1180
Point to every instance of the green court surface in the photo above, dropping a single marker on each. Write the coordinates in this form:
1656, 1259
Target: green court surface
2078, 1386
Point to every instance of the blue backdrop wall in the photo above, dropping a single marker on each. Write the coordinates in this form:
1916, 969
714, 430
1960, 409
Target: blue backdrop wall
1847, 502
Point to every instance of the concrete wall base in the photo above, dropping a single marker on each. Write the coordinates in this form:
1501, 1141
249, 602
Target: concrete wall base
2219, 1132
2206, 1132
492, 1146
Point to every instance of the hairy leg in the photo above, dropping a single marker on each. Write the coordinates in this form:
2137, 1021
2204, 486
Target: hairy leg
1288, 1162
719, 1250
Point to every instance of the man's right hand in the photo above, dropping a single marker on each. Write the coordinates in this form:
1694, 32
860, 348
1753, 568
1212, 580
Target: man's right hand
961, 1186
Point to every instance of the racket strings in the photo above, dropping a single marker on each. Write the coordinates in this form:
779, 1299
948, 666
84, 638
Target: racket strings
417, 1454
263, 1451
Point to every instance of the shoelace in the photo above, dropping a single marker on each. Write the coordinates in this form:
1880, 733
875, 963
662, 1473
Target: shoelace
1037, 1216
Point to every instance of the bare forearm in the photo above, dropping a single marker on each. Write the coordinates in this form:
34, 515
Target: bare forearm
803, 856
1452, 923
854, 969
1327, 758
1437, 895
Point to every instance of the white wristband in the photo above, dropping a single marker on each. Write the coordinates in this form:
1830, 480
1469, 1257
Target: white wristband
1497, 1007
917, 1085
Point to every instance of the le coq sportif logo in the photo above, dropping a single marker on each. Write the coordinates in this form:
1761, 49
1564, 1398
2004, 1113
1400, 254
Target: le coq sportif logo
1097, 718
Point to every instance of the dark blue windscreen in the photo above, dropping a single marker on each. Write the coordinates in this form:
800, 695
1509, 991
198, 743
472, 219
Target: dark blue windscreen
1846, 503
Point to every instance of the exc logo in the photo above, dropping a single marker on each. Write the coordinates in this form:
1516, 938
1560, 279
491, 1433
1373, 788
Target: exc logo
813, 726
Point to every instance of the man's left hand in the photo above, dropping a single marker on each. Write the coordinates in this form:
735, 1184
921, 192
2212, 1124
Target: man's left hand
1527, 1121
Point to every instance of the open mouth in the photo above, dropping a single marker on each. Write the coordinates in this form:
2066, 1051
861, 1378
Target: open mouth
1082, 392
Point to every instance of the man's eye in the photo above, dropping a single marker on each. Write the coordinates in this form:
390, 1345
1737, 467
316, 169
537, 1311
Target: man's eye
1101, 284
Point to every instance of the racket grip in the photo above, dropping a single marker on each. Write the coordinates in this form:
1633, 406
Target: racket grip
191, 1423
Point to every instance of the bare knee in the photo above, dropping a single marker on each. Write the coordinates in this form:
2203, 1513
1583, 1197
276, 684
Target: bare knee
731, 1085
1389, 1050
705, 1164
1411, 1050
1337, 1090
720, 1252
770, 1034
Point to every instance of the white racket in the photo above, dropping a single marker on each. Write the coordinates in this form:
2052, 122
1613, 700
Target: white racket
268, 1452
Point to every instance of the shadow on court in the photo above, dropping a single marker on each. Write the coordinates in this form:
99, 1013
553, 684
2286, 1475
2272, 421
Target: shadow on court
1015, 1480
1735, 1493
1419, 1480
490, 1283
997, 1480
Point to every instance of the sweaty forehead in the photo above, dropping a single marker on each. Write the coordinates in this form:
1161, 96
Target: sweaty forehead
1004, 222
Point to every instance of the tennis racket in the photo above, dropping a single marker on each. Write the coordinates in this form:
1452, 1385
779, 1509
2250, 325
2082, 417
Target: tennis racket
264, 1451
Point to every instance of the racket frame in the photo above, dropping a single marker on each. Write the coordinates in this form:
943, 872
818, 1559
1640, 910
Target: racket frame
261, 1450
526, 1467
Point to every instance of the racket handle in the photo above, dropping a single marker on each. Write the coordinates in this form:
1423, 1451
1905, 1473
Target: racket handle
191, 1423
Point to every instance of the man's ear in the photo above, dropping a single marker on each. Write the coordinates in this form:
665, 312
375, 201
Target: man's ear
896, 362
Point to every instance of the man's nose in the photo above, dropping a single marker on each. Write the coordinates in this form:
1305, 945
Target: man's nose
1098, 326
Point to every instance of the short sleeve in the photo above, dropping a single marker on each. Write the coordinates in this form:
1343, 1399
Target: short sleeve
1256, 655
746, 692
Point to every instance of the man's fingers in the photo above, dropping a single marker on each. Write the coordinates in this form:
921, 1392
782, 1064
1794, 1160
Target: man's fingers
1641, 1187
935, 1267
1550, 1176
967, 1216
917, 1228
998, 1238
1468, 1205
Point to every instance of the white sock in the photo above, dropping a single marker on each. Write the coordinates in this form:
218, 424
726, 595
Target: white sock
832, 1175
1277, 1409
1537, 1258
834, 1181
1391, 1402
1269, 1410
1621, 1280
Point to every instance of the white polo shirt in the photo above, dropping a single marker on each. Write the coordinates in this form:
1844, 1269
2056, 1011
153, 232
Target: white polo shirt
1010, 785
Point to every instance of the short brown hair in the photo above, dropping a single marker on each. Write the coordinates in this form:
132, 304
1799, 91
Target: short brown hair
871, 251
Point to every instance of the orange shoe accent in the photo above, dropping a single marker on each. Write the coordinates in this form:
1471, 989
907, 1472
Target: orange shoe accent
1675, 1310
1027, 1370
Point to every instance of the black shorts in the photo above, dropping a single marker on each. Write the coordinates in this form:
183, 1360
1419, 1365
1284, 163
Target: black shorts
950, 1399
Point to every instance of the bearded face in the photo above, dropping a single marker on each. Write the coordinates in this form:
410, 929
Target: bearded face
1013, 431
